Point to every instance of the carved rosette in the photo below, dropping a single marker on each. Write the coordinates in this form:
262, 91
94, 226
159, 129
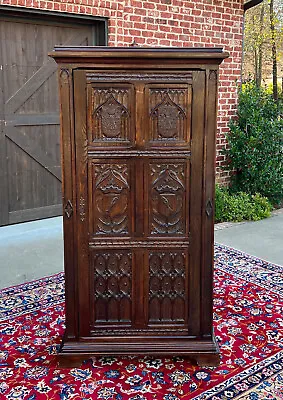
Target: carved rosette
168, 115
110, 119
167, 287
167, 183
111, 199
112, 286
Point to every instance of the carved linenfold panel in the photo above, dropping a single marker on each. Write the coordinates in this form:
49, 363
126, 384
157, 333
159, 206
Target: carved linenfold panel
167, 286
110, 115
167, 198
168, 115
112, 286
111, 199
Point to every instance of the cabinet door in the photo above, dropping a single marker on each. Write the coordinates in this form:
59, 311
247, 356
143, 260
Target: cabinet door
139, 149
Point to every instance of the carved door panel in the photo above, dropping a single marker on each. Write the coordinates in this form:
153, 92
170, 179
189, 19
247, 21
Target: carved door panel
134, 189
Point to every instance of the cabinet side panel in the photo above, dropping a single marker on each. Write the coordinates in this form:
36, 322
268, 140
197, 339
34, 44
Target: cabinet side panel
198, 120
82, 217
69, 199
208, 203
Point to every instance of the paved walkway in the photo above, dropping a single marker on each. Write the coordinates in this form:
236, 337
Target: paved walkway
263, 239
35, 249
30, 251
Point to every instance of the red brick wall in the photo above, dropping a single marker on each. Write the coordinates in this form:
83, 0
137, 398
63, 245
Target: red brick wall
171, 23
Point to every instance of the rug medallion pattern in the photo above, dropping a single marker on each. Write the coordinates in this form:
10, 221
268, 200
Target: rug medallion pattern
248, 326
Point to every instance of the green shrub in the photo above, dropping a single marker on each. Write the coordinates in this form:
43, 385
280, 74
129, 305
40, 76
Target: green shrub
240, 206
255, 146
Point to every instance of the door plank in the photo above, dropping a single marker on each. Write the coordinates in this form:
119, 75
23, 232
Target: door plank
29, 89
35, 213
34, 83
33, 119
4, 205
33, 150
38, 79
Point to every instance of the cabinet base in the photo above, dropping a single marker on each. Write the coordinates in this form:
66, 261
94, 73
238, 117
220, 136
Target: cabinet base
201, 352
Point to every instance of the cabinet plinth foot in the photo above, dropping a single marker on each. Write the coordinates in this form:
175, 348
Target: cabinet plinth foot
207, 360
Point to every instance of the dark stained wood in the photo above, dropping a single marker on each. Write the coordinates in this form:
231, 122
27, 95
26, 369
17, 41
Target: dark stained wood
29, 108
138, 161
198, 105
208, 202
138, 52
82, 205
69, 200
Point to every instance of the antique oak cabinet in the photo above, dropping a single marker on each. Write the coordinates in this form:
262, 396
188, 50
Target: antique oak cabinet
138, 149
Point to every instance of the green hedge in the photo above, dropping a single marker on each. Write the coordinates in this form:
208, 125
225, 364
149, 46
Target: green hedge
255, 145
240, 206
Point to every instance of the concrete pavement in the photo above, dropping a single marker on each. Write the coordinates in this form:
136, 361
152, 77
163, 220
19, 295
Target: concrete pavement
30, 251
263, 238
35, 249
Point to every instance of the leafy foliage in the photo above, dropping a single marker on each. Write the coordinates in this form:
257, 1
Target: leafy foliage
259, 37
255, 146
240, 206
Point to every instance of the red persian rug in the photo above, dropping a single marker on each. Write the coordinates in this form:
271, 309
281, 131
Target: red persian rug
248, 325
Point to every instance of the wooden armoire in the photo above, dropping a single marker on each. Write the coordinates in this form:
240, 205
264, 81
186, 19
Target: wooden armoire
138, 154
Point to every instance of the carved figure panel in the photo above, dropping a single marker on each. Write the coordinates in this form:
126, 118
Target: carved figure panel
168, 115
167, 199
111, 199
167, 287
112, 286
110, 115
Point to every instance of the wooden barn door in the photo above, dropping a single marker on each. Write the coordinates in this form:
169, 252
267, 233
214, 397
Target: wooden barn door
30, 173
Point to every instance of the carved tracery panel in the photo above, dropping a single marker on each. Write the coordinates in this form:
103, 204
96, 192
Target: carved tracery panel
167, 287
112, 286
169, 115
110, 115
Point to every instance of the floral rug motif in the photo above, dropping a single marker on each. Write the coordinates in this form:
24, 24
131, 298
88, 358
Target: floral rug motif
248, 326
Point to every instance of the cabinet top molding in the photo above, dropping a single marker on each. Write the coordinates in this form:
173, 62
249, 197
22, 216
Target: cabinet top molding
75, 54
